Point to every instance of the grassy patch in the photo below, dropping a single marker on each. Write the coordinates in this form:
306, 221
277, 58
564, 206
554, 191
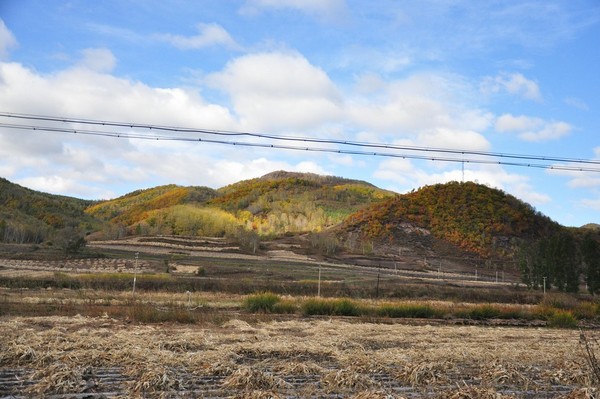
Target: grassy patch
562, 319
410, 310
261, 303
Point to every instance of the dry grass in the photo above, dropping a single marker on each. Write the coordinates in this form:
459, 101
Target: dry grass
247, 378
294, 357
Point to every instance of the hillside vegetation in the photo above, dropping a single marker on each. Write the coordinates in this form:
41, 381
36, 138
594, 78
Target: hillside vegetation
274, 204
471, 216
283, 202
28, 216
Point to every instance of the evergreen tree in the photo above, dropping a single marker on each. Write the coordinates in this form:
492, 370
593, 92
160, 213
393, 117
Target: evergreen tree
590, 253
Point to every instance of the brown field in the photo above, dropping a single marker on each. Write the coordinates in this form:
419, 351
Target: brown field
73, 328
298, 357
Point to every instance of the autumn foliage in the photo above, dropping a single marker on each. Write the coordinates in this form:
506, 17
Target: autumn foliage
471, 216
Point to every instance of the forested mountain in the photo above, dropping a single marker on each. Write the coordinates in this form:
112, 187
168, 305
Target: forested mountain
471, 216
274, 204
296, 202
28, 216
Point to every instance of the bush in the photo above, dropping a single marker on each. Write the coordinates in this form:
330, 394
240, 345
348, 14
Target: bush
411, 311
560, 301
586, 310
264, 302
285, 306
562, 319
318, 307
346, 307
332, 307
484, 312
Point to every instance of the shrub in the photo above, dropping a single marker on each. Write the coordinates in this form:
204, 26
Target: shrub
318, 307
332, 307
285, 306
560, 301
414, 311
484, 312
586, 310
562, 319
346, 307
264, 302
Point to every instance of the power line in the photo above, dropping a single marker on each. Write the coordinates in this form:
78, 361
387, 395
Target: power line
410, 152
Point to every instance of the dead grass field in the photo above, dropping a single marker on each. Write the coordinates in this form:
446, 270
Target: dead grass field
79, 357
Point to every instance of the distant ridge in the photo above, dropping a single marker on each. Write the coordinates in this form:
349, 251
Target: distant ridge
281, 174
467, 216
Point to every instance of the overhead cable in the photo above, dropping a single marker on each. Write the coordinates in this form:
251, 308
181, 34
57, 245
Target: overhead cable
167, 133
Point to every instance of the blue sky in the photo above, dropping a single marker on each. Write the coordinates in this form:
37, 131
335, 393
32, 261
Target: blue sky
516, 77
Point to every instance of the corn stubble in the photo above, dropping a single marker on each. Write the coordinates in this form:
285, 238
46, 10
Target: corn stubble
297, 358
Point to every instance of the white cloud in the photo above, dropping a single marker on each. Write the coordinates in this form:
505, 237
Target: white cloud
60, 184
7, 40
531, 128
419, 103
591, 203
209, 35
511, 123
515, 84
98, 59
454, 139
85, 93
323, 8
278, 91
550, 131
577, 103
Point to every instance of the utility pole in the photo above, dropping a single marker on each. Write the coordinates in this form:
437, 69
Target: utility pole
377, 288
544, 285
319, 286
135, 272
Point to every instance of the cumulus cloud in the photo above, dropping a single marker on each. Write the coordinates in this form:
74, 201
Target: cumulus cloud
410, 106
7, 40
454, 139
278, 91
515, 84
209, 35
531, 128
86, 91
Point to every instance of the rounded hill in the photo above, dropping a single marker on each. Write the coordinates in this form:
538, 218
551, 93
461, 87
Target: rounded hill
472, 217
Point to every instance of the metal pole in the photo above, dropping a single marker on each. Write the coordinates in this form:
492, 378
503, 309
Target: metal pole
135, 272
319, 286
377, 289
544, 285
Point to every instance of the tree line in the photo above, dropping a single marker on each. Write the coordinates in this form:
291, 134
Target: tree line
562, 261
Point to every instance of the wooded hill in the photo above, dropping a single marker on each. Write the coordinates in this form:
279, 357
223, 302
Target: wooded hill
28, 216
478, 219
342, 215
275, 204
